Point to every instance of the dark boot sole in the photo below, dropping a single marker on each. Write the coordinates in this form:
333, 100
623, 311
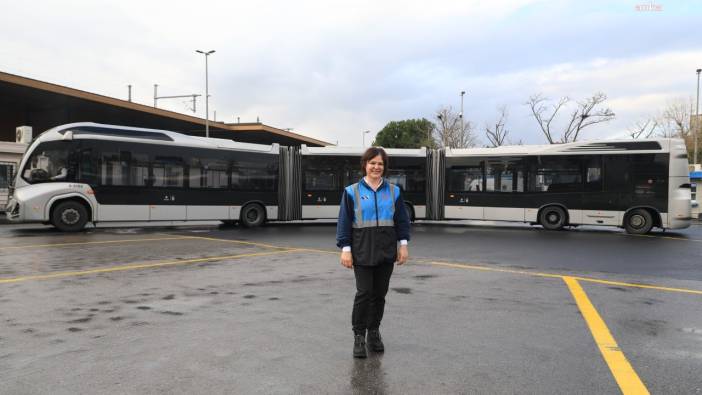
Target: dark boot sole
360, 355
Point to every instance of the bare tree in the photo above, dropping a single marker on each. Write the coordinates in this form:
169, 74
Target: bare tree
644, 129
538, 108
676, 118
498, 134
585, 114
449, 132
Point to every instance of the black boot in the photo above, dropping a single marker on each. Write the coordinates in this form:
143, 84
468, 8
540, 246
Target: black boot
359, 345
375, 343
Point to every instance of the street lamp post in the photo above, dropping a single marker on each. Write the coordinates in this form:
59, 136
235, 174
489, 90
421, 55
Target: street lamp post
461, 114
697, 116
365, 132
207, 94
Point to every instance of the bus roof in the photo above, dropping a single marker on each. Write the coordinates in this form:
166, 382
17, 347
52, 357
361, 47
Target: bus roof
580, 147
358, 151
85, 130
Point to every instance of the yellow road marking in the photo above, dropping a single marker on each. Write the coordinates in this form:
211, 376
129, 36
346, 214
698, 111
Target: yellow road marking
559, 276
634, 285
627, 379
492, 269
663, 237
238, 242
476, 267
264, 245
136, 266
93, 242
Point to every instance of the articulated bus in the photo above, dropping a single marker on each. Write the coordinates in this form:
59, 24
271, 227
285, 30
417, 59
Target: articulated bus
632, 184
85, 172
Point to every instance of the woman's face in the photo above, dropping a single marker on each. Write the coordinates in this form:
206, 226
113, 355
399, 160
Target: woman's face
375, 167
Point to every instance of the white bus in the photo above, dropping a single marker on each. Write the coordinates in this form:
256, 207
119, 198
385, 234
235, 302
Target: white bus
636, 185
85, 172
79, 173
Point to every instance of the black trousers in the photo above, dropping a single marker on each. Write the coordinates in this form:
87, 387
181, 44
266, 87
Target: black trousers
371, 287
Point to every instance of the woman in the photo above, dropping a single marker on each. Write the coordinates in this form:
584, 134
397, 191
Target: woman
372, 219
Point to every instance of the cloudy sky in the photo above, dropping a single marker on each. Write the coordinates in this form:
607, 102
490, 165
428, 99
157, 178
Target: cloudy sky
332, 69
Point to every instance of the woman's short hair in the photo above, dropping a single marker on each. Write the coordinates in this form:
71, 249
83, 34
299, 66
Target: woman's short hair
371, 153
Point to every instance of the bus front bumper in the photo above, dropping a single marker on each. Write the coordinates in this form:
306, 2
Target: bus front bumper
13, 210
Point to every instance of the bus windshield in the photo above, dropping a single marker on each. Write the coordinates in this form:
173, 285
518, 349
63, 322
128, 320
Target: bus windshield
46, 164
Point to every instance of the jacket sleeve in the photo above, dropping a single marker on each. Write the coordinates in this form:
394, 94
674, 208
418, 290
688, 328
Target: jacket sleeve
401, 219
344, 226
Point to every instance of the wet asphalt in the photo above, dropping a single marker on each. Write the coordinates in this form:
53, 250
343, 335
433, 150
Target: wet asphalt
211, 309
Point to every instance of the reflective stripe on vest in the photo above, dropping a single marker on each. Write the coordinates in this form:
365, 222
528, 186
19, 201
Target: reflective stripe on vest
359, 222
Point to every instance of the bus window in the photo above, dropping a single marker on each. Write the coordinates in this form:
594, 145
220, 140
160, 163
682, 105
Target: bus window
555, 174
320, 180
208, 173
112, 170
167, 172
649, 175
593, 174
465, 179
254, 176
120, 168
504, 176
409, 179
50, 164
138, 170
352, 175
616, 173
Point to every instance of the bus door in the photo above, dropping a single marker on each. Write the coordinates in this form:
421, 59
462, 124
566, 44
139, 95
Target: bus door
118, 177
600, 204
465, 186
167, 190
504, 187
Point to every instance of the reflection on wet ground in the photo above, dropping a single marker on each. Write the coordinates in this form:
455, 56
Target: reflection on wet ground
245, 322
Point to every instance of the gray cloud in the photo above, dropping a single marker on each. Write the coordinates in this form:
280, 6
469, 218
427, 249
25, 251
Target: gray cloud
333, 69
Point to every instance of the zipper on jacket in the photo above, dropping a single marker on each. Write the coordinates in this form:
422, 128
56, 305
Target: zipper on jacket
377, 220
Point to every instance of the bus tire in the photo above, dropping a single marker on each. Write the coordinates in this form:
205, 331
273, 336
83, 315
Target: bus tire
253, 215
552, 218
410, 211
638, 222
69, 216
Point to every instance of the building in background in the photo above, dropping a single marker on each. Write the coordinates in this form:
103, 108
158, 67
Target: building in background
41, 105
29, 107
10, 155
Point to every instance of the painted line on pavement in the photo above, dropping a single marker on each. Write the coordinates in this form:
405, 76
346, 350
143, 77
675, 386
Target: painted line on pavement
93, 242
625, 375
560, 276
136, 266
264, 244
663, 237
635, 285
481, 267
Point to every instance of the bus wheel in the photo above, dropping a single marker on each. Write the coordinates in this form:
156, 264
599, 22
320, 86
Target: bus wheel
410, 212
252, 215
638, 222
69, 216
552, 218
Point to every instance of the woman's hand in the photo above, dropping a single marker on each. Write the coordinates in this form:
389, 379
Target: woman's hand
402, 254
347, 259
